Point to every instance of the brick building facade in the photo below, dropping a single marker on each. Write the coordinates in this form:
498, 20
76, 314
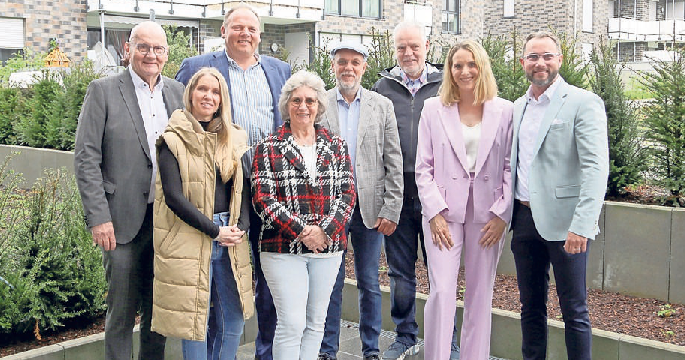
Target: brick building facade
63, 20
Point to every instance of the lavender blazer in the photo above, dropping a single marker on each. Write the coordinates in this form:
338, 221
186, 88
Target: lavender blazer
441, 168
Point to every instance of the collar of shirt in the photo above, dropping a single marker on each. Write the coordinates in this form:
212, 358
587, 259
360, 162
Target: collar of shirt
138, 82
233, 63
414, 85
547, 95
341, 98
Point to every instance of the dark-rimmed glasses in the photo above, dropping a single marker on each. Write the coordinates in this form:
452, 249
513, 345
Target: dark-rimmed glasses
144, 49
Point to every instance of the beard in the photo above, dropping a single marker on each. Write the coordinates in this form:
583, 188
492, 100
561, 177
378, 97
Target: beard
348, 86
542, 82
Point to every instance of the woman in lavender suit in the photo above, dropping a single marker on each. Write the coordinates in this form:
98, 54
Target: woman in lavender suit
464, 182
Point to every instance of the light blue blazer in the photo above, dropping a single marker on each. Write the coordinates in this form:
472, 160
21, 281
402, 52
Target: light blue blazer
568, 174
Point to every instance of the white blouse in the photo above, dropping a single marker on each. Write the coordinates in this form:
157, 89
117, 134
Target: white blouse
471, 141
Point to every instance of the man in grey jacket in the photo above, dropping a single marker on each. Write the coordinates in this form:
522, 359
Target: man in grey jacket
407, 85
115, 164
366, 120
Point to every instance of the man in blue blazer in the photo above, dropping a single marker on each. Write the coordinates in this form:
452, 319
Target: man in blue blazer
254, 82
560, 165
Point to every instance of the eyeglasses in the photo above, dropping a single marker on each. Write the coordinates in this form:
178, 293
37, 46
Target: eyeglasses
534, 57
144, 49
297, 102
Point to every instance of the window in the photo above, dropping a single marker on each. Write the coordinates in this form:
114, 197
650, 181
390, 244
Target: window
508, 8
357, 8
450, 16
11, 38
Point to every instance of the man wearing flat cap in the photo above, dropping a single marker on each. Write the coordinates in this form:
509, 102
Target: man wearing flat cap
366, 120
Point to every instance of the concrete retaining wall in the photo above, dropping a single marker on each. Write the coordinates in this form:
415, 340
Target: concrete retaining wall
505, 338
31, 162
640, 251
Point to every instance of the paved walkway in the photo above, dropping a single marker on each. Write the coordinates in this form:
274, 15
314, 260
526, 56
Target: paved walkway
350, 344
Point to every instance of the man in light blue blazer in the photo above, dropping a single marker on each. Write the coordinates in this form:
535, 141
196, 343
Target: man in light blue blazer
254, 82
560, 165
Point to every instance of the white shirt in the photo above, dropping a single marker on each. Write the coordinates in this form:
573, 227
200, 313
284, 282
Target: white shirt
528, 135
155, 118
309, 157
471, 141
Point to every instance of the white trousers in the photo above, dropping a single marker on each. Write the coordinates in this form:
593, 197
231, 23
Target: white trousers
301, 287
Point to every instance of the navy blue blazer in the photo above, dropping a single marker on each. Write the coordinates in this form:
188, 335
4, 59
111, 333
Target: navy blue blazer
277, 72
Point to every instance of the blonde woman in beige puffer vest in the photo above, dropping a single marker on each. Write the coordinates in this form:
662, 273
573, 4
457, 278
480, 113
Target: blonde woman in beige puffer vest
200, 223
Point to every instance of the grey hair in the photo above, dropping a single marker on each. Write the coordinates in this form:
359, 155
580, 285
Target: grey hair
297, 80
145, 25
409, 25
541, 35
238, 7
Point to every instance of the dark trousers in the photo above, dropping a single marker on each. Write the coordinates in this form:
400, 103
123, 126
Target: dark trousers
401, 251
264, 303
367, 251
533, 256
129, 274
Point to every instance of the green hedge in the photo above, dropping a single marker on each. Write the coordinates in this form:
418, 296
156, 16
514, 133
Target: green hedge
51, 272
45, 115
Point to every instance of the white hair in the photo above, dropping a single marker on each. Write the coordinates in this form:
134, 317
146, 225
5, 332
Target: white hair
409, 25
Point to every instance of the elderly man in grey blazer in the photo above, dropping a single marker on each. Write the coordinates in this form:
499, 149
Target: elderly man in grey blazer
121, 118
559, 165
366, 120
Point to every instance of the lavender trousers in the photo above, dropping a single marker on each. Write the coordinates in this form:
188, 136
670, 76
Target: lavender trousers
443, 270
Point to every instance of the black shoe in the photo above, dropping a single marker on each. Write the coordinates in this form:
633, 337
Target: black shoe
372, 357
324, 356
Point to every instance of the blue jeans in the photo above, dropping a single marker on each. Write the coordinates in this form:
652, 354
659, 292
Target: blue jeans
301, 287
367, 251
225, 315
401, 251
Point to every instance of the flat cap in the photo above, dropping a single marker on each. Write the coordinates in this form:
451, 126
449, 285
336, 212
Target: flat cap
360, 48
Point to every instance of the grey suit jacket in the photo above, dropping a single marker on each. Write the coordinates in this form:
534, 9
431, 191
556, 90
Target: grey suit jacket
568, 175
378, 163
112, 159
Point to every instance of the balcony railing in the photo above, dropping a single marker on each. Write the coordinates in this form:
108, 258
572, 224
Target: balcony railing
637, 30
307, 10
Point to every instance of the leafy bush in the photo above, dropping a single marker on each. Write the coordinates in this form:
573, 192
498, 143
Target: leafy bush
52, 273
60, 128
625, 141
504, 57
321, 65
12, 108
25, 60
46, 91
179, 49
665, 119
381, 57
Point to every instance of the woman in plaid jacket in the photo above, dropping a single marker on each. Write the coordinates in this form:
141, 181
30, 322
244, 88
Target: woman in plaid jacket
303, 191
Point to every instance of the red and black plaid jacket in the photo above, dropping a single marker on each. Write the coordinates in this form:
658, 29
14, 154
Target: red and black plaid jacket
287, 200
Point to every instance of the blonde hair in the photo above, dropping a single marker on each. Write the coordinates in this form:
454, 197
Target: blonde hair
485, 87
221, 122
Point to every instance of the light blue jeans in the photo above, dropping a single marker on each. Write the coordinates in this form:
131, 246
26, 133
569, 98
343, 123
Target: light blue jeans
301, 288
225, 315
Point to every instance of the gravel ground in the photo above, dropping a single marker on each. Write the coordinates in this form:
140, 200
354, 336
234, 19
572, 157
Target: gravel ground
608, 311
